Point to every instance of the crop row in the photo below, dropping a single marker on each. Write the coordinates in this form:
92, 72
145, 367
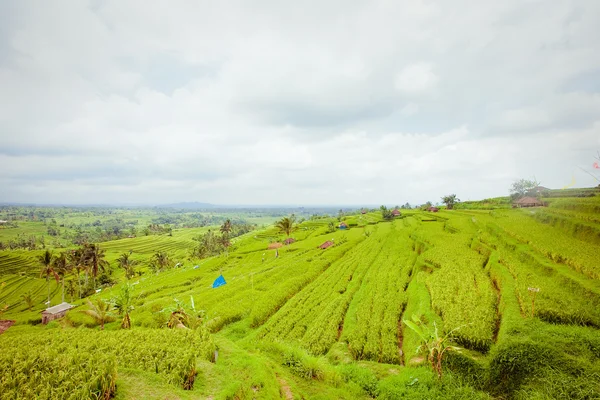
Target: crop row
560, 299
83, 363
372, 323
552, 242
314, 316
461, 292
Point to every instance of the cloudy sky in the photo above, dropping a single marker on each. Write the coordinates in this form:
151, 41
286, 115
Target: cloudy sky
280, 102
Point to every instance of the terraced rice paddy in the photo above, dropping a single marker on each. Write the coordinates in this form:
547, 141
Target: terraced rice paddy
328, 323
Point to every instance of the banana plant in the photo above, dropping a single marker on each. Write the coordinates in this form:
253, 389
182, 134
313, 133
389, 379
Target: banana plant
433, 344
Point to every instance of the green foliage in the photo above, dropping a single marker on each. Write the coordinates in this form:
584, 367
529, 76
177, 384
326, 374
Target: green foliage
450, 200
433, 345
523, 187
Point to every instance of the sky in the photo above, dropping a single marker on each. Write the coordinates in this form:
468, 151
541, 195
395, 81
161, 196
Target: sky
300, 103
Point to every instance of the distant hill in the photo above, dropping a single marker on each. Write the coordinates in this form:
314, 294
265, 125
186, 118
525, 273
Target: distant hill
187, 205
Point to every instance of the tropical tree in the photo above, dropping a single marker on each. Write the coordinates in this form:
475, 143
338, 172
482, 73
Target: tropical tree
62, 266
226, 227
432, 344
385, 213
450, 201
46, 260
77, 265
28, 299
523, 187
94, 260
286, 225
160, 261
100, 311
127, 264
124, 305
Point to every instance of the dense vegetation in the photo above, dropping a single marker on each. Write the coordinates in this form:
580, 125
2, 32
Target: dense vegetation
517, 290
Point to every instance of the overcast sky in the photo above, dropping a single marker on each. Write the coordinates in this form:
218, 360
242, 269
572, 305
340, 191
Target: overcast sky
300, 103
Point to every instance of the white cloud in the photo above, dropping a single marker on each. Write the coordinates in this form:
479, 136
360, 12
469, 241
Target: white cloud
416, 78
323, 102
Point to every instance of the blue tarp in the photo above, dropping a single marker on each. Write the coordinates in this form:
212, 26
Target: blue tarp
220, 281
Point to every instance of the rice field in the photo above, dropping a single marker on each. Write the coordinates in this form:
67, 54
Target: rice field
328, 322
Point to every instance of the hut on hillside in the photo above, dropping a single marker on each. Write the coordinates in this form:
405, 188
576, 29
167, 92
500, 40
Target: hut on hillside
55, 312
396, 212
363, 211
327, 244
527, 202
289, 241
343, 225
274, 246
433, 209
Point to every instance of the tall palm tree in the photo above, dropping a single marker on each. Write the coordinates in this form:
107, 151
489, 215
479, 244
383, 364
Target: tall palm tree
77, 263
62, 266
46, 260
100, 311
226, 227
286, 225
127, 264
94, 260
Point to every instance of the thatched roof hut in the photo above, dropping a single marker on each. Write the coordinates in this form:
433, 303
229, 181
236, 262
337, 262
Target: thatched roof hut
433, 209
396, 212
343, 225
528, 202
289, 241
274, 246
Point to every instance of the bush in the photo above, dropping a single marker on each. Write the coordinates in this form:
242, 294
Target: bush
365, 378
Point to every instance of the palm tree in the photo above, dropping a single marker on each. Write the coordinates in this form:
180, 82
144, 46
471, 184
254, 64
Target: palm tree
286, 225
161, 260
100, 311
226, 227
77, 263
46, 260
28, 299
94, 259
127, 264
123, 305
62, 266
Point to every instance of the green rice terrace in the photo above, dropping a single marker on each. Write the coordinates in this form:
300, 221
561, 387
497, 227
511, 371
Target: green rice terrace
483, 301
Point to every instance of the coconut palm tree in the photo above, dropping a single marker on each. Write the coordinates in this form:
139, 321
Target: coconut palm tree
226, 227
100, 311
62, 266
127, 264
286, 225
46, 260
77, 264
161, 260
94, 260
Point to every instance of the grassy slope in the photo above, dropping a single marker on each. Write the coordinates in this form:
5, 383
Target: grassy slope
328, 302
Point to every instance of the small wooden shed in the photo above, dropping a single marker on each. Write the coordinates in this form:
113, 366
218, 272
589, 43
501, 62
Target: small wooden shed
343, 225
274, 246
396, 212
327, 244
289, 241
433, 209
55, 312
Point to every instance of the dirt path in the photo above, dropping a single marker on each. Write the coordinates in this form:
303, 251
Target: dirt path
285, 389
5, 324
